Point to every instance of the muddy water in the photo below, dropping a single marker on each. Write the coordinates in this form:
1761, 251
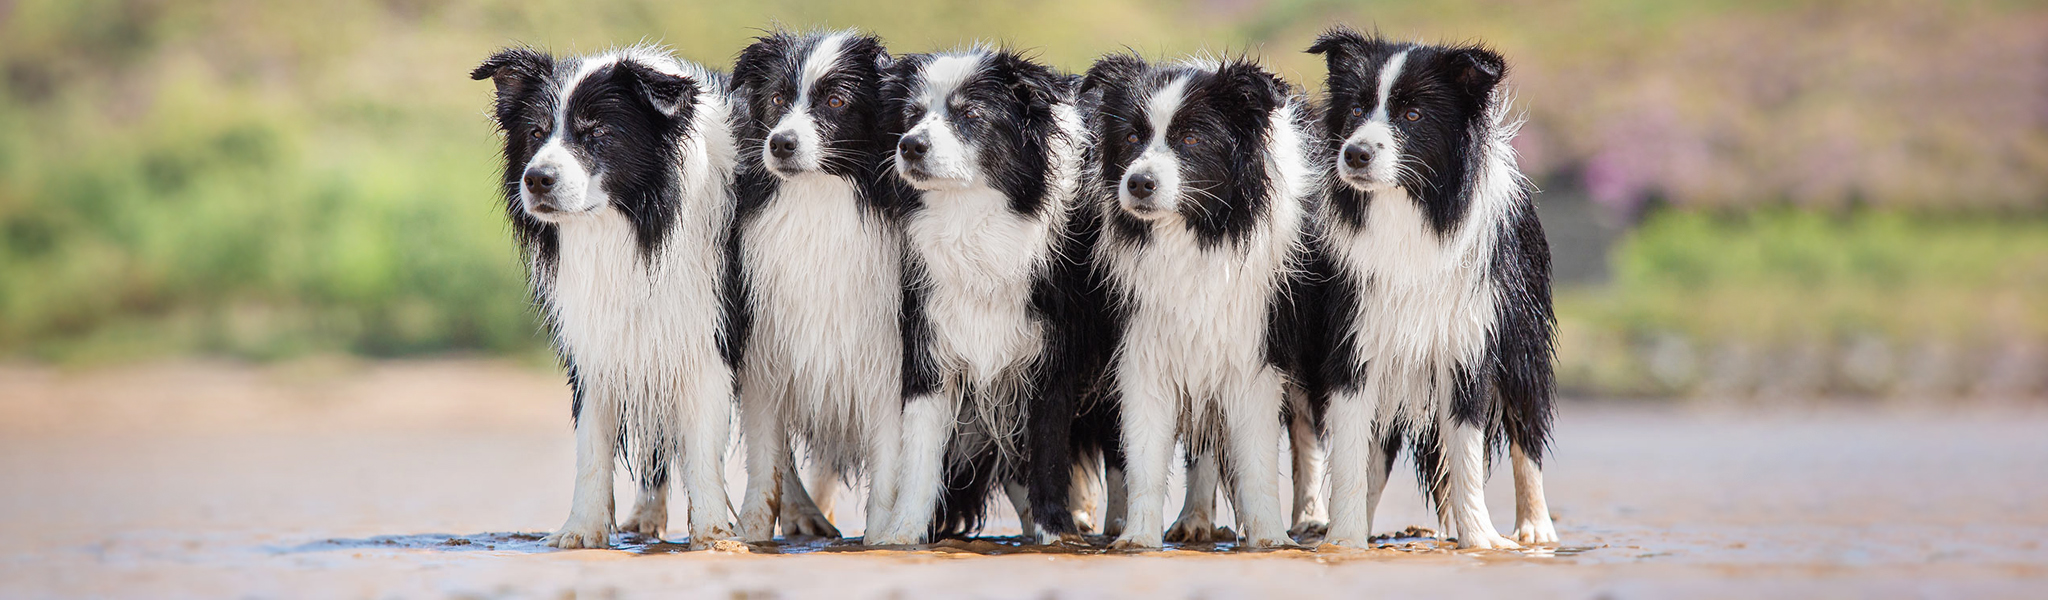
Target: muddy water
433, 479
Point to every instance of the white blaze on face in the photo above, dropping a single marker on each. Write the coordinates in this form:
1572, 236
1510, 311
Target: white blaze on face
798, 122
950, 161
1377, 137
1157, 160
575, 190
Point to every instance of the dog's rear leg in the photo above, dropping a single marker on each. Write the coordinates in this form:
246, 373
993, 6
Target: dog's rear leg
1311, 513
1197, 522
800, 516
1532, 513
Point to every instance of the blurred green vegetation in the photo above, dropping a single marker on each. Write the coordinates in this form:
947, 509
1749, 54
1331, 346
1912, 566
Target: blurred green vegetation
265, 179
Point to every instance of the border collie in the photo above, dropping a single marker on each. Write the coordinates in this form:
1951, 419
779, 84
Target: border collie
821, 280
1438, 293
987, 148
617, 182
1200, 174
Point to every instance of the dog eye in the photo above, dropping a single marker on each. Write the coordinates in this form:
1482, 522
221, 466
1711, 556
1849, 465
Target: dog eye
540, 133
777, 99
1190, 140
1412, 115
971, 113
835, 102
1358, 111
1133, 139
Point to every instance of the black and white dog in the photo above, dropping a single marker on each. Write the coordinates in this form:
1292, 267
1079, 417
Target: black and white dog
617, 181
821, 261
1200, 174
995, 303
1438, 295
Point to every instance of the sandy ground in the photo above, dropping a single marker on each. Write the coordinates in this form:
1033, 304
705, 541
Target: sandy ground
332, 478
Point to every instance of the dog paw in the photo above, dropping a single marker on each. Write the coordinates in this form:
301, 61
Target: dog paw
646, 522
1113, 528
1132, 545
1531, 533
1486, 540
1343, 545
1083, 522
579, 538
890, 538
708, 537
810, 524
1266, 541
1309, 528
1194, 530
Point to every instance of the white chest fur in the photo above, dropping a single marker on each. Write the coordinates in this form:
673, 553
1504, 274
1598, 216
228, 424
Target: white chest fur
823, 279
623, 312
1197, 317
980, 259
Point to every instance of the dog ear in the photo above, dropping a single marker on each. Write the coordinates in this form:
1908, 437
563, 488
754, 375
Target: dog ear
1256, 90
1339, 44
514, 69
1477, 70
1112, 68
667, 93
1031, 83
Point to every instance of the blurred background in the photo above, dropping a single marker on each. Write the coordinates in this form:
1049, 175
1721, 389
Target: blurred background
1748, 201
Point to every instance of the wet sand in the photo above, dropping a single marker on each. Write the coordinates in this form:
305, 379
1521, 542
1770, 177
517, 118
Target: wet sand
332, 478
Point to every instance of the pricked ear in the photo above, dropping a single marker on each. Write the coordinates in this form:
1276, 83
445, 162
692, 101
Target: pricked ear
1111, 68
1260, 89
1339, 43
665, 92
512, 69
1478, 70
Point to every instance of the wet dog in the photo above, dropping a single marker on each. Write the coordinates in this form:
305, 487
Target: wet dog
996, 308
1438, 295
1199, 175
617, 182
821, 286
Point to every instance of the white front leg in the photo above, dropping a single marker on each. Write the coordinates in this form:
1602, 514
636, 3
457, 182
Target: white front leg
1020, 501
767, 442
706, 407
1464, 509
928, 423
1149, 425
885, 463
1353, 460
1253, 443
597, 445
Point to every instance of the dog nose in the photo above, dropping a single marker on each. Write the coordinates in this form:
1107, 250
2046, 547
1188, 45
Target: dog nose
914, 146
540, 179
1141, 185
782, 145
1357, 157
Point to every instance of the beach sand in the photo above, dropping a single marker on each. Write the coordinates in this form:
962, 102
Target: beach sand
350, 479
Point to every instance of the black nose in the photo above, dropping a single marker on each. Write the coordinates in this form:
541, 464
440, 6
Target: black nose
782, 145
914, 146
540, 179
1141, 185
1357, 157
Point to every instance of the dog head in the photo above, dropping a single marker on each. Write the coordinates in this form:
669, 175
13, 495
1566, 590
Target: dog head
586, 135
974, 118
1186, 142
811, 101
1405, 115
